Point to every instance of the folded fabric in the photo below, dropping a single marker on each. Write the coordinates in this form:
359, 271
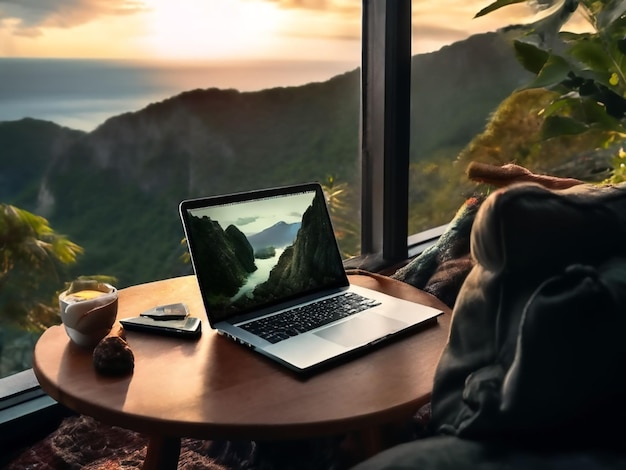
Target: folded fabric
441, 269
534, 347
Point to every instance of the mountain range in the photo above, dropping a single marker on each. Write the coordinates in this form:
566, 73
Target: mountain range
115, 190
278, 235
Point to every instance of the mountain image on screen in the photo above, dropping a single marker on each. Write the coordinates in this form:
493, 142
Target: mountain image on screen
305, 260
229, 249
279, 235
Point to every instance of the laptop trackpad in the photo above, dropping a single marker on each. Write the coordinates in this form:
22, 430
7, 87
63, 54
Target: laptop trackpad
359, 331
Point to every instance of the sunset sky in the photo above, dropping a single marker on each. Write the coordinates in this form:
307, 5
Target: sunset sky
223, 29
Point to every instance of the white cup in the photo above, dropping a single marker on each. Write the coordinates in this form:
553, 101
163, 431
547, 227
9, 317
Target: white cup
88, 311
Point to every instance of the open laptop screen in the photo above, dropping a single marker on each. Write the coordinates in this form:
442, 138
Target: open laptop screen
257, 249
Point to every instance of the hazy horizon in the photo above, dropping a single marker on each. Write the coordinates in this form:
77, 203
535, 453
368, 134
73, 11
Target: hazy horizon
79, 62
83, 93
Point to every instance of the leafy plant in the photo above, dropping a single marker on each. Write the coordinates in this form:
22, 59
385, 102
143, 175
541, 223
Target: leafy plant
338, 198
32, 259
587, 70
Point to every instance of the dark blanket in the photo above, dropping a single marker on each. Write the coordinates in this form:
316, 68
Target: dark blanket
452, 453
442, 268
531, 376
536, 340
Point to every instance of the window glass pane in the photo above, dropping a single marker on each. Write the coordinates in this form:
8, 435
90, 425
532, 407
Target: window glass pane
465, 106
111, 114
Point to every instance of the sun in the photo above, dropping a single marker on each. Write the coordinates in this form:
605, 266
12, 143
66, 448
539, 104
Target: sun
197, 29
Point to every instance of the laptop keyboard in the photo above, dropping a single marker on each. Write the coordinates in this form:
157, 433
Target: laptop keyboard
305, 318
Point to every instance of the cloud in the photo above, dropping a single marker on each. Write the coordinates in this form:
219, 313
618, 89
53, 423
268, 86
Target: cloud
341, 19
306, 4
245, 221
28, 16
438, 33
347, 8
320, 19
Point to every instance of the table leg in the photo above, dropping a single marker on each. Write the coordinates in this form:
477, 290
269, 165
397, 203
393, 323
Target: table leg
163, 453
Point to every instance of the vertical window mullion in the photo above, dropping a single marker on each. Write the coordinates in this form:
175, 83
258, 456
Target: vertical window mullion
385, 114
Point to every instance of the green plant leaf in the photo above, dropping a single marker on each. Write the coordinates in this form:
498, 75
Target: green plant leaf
497, 5
585, 110
592, 53
595, 113
554, 71
611, 12
555, 126
561, 105
530, 56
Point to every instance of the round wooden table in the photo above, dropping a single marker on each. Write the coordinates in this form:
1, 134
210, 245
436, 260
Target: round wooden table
213, 388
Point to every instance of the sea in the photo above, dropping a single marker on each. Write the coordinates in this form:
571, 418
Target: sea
83, 93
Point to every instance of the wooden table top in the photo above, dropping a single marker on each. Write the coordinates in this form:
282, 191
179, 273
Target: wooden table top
214, 388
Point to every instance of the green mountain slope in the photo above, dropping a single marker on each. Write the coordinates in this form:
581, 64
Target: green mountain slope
115, 191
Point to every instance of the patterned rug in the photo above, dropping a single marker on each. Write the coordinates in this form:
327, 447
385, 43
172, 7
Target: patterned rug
83, 443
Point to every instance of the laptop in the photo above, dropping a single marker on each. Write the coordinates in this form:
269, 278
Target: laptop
272, 278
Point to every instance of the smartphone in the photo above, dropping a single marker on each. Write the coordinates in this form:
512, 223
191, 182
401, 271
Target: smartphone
190, 327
